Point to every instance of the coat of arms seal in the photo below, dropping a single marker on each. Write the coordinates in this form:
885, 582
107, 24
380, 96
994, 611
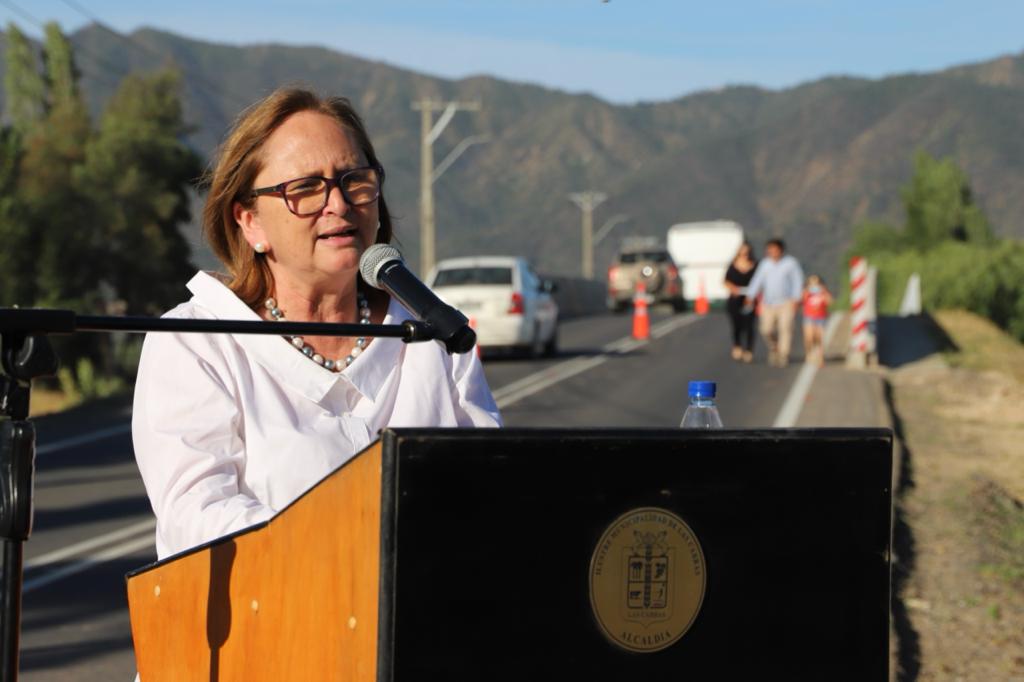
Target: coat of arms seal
647, 579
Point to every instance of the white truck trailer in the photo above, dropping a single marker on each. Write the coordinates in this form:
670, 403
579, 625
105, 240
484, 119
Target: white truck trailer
702, 252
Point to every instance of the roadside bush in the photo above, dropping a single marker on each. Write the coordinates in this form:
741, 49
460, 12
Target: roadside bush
84, 383
948, 241
985, 279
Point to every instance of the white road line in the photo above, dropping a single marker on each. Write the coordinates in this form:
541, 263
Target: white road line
81, 547
794, 401
88, 562
90, 437
673, 323
518, 390
538, 381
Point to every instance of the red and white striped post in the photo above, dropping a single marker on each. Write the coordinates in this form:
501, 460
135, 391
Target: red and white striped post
860, 333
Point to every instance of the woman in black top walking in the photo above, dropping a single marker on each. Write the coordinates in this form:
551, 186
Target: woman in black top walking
737, 277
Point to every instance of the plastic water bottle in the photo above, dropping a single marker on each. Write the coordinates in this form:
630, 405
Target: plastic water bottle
702, 412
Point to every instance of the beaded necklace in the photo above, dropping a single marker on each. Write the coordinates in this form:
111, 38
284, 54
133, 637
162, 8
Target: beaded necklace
307, 350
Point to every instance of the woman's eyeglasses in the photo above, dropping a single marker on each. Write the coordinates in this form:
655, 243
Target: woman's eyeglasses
308, 196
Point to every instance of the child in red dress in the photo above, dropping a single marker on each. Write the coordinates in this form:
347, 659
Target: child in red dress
816, 300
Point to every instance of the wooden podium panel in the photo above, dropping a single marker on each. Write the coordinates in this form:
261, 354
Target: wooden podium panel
285, 600
449, 554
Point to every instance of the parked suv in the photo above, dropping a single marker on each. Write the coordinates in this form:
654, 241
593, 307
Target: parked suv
647, 263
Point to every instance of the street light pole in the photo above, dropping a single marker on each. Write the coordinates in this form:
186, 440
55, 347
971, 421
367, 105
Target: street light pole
429, 132
587, 201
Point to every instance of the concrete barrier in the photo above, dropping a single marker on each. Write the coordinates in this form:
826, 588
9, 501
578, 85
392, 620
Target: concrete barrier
577, 297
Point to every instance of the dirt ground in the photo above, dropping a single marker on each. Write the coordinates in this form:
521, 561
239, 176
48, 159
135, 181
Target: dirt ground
959, 538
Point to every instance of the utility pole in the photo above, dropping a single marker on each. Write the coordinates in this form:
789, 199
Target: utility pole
587, 202
429, 132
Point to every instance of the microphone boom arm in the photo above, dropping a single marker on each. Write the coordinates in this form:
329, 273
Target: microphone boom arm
39, 321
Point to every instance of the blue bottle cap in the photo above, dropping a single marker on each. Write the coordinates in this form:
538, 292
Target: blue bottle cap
702, 389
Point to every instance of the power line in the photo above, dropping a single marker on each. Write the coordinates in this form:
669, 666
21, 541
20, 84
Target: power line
215, 89
200, 81
81, 10
96, 60
22, 12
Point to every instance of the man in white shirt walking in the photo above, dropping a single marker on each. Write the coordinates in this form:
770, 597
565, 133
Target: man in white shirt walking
780, 280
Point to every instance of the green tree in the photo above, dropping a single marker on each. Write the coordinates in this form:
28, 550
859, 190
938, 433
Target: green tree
61, 71
60, 218
877, 237
49, 257
940, 205
24, 89
16, 276
88, 214
24, 103
138, 172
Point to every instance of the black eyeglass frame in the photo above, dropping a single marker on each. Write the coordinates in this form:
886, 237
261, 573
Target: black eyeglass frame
330, 183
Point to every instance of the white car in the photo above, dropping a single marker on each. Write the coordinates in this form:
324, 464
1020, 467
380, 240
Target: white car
507, 303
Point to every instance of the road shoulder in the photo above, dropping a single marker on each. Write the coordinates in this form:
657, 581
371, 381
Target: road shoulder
959, 543
843, 397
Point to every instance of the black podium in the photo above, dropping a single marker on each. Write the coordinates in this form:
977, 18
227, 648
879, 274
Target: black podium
549, 555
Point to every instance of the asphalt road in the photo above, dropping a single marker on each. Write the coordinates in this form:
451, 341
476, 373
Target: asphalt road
93, 522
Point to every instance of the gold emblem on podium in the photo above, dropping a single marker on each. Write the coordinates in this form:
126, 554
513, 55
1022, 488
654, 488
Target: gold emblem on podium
647, 579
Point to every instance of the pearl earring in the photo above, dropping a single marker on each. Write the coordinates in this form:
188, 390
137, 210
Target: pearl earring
260, 247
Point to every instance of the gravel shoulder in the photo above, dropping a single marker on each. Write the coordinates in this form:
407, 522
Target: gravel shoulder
959, 546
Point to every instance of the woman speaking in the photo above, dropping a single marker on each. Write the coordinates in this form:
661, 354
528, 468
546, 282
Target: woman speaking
229, 429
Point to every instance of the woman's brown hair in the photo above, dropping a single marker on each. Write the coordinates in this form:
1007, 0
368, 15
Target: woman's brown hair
238, 163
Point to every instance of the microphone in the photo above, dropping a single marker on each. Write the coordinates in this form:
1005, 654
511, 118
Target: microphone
382, 267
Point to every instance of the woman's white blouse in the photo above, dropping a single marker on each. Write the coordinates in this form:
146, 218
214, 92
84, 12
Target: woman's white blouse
229, 429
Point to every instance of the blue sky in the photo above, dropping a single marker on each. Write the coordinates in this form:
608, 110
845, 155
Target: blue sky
620, 50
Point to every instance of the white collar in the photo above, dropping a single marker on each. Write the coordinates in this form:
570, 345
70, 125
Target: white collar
366, 374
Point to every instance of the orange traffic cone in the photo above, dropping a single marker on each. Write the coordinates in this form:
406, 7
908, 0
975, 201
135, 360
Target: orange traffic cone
472, 325
700, 306
641, 321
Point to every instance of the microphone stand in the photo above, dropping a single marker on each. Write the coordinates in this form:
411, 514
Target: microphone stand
26, 354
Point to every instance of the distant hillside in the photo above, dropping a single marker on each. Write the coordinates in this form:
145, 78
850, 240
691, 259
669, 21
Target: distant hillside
806, 162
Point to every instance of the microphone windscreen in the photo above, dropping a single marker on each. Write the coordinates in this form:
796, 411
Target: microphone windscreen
372, 260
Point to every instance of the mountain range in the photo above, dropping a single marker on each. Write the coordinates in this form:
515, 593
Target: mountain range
805, 163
